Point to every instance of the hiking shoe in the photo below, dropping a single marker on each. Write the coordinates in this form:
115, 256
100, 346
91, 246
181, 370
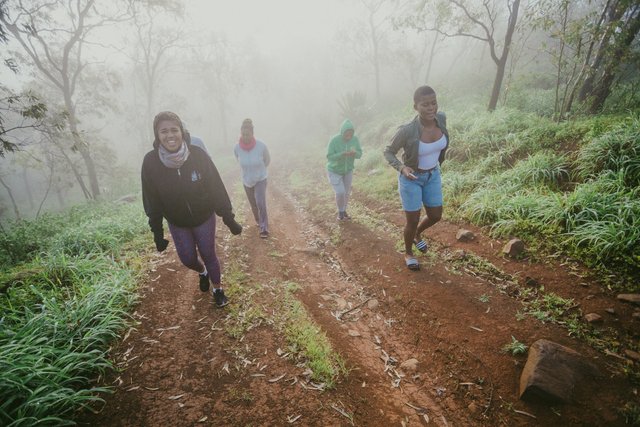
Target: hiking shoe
340, 216
204, 282
345, 215
264, 234
220, 298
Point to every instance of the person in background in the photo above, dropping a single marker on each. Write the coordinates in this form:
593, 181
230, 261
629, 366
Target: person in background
424, 142
253, 156
195, 140
181, 184
342, 151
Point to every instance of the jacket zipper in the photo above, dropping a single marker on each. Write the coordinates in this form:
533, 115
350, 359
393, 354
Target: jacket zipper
186, 202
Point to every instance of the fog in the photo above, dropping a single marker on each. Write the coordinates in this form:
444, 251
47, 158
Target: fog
288, 65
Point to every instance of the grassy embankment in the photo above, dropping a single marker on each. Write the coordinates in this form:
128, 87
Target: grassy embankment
65, 292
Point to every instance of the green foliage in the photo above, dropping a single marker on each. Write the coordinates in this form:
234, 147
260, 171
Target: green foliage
515, 347
570, 186
543, 168
306, 338
631, 413
59, 311
86, 229
617, 151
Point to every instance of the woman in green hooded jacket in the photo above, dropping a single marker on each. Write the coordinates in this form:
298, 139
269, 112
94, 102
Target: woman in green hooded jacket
342, 151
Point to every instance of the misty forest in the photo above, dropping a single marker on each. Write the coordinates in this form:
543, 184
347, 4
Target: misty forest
253, 255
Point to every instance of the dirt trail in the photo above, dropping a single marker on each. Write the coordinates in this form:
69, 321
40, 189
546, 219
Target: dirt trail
183, 369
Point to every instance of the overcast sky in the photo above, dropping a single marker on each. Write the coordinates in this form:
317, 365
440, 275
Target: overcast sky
274, 24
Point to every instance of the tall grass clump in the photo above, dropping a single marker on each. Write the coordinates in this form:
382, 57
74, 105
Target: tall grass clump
83, 229
602, 221
544, 168
60, 307
616, 151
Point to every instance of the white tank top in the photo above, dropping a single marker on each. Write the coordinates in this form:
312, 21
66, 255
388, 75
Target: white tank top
428, 153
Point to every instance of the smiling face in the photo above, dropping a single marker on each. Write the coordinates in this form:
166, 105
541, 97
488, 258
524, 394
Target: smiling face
170, 135
427, 107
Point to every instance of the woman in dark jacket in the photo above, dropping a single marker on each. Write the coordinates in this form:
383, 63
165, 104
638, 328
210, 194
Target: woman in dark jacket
424, 142
181, 184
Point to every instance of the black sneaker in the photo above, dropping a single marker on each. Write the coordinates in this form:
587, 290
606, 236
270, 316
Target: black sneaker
345, 216
220, 298
204, 282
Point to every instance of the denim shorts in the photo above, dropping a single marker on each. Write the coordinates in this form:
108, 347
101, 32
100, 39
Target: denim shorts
426, 190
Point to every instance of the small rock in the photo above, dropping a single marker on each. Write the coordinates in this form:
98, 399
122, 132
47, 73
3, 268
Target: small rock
465, 235
473, 408
325, 297
373, 304
632, 298
354, 333
593, 318
610, 311
410, 365
513, 248
633, 355
342, 304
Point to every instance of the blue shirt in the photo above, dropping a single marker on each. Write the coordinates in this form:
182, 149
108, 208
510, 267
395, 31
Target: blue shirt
253, 163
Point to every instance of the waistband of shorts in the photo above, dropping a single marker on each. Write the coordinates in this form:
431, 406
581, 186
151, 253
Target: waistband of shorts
421, 171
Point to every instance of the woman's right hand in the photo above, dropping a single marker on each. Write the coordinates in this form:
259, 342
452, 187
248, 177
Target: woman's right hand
408, 173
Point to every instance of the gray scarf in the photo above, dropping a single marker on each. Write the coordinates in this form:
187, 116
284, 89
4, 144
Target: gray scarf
174, 160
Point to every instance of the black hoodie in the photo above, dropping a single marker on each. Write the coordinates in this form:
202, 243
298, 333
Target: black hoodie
186, 196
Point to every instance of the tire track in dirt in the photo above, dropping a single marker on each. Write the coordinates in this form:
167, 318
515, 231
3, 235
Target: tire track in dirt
368, 337
182, 368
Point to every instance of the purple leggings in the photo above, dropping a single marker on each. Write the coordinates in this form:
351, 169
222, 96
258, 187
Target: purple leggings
204, 237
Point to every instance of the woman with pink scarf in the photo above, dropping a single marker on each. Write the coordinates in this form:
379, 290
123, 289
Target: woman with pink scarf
253, 156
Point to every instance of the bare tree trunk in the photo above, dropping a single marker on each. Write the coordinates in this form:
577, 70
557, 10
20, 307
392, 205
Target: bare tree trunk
602, 87
430, 58
556, 103
76, 173
50, 183
502, 61
16, 211
82, 148
27, 187
375, 53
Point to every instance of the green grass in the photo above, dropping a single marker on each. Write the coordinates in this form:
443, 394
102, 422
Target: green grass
65, 297
570, 187
515, 347
308, 340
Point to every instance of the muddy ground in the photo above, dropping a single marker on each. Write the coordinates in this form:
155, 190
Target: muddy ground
180, 368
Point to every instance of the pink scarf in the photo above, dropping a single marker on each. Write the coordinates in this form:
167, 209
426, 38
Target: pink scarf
247, 146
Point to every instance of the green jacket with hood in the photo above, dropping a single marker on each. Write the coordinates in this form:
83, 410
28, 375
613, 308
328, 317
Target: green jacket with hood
336, 161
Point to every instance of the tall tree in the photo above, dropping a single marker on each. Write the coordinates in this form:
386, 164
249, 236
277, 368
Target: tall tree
617, 29
218, 65
479, 21
53, 35
155, 40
